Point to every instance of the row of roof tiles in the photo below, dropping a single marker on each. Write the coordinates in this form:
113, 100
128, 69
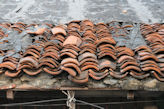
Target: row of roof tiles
84, 51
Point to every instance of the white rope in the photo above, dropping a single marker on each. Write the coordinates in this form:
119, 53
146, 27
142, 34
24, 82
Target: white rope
71, 95
35, 103
90, 104
70, 98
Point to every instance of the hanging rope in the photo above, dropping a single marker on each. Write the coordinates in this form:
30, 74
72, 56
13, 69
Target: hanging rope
70, 98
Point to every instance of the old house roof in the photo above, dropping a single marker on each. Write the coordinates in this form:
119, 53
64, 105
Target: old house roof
82, 51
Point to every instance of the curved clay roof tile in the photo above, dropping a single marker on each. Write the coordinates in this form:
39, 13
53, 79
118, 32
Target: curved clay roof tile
52, 71
70, 60
32, 71
139, 76
72, 40
58, 30
115, 75
71, 71
12, 73
71, 65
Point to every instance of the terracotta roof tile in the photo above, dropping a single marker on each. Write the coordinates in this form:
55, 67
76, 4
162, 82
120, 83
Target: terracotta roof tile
82, 50
72, 40
58, 30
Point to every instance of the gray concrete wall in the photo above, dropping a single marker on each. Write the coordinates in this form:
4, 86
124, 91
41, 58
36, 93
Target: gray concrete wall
62, 11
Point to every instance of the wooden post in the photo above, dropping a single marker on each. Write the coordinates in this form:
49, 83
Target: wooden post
130, 95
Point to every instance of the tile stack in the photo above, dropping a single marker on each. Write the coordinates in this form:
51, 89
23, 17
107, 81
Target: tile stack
153, 35
29, 63
9, 66
106, 50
